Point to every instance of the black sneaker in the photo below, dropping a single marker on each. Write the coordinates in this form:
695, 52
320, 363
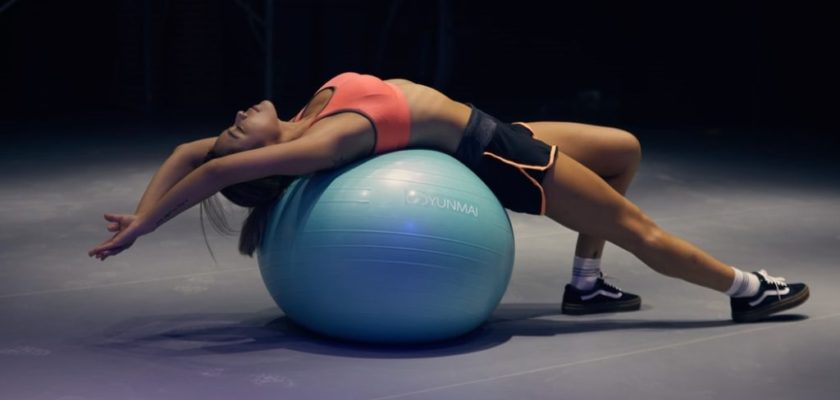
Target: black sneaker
602, 298
774, 295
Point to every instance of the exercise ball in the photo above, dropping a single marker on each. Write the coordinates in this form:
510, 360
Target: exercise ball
406, 246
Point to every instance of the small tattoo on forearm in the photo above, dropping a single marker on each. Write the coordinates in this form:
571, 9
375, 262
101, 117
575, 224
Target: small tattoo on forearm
175, 211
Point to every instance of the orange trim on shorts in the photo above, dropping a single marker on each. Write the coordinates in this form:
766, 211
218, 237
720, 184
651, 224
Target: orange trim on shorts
523, 167
528, 127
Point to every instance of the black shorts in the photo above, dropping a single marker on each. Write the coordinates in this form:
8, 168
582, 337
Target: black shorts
508, 159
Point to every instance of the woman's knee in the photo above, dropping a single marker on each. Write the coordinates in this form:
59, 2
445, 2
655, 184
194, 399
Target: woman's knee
625, 152
631, 146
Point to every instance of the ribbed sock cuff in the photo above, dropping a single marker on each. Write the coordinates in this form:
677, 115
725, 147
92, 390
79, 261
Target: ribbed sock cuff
585, 272
745, 284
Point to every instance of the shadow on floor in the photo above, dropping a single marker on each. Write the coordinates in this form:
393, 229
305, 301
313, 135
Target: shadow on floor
205, 334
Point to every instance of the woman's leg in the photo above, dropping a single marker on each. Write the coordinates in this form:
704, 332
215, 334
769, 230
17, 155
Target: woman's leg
613, 154
581, 200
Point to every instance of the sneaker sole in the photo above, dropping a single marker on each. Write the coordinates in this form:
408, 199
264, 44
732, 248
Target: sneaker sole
786, 304
576, 309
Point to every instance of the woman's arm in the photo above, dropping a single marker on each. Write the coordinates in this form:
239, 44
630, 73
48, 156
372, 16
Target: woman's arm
177, 166
182, 161
199, 184
328, 145
310, 153
298, 157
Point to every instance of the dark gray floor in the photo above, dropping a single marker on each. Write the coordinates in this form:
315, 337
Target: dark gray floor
162, 321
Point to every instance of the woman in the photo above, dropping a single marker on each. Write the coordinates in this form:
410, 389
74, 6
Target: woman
353, 116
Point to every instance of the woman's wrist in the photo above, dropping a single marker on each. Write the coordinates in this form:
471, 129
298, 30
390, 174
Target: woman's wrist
144, 223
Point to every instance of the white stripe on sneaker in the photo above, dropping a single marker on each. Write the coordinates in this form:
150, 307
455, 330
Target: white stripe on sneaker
602, 292
770, 293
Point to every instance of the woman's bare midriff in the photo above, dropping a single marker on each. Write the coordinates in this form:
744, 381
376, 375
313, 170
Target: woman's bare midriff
436, 120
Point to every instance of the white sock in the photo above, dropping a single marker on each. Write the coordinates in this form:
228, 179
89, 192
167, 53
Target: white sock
745, 284
585, 272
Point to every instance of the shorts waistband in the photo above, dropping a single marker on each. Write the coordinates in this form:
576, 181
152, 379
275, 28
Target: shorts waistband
477, 134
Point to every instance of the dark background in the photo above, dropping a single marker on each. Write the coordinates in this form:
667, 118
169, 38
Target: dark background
747, 69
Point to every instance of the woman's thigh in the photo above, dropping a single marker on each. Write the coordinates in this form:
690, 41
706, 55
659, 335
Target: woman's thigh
606, 151
580, 200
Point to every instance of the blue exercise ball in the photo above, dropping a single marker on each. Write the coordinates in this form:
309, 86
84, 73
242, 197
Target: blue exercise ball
407, 246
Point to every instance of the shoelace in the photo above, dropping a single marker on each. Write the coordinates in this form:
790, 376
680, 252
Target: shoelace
777, 281
607, 284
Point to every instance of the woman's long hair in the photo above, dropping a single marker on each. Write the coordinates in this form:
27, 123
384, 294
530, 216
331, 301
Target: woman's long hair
258, 195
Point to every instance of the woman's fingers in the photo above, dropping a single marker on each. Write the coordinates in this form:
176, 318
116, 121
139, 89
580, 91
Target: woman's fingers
118, 218
114, 222
102, 255
107, 245
111, 247
118, 221
127, 227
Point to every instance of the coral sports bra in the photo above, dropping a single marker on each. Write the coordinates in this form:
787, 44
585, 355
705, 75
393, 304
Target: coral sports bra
382, 103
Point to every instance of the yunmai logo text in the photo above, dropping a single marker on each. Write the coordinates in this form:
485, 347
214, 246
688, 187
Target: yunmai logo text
419, 198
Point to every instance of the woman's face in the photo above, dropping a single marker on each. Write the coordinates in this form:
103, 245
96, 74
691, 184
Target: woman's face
251, 129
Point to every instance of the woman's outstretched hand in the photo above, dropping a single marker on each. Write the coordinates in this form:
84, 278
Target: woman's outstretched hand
128, 228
